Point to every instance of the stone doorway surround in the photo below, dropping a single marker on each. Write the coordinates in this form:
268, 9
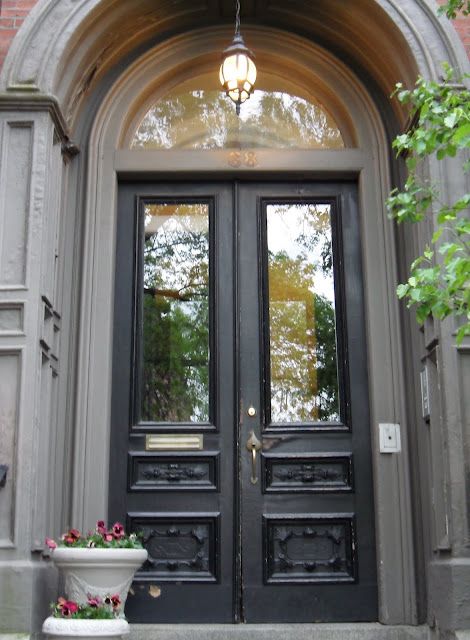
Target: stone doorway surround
75, 79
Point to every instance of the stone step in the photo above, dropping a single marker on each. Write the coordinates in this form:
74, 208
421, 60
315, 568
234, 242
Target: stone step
352, 631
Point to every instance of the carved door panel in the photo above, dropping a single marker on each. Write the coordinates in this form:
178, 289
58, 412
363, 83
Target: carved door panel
238, 325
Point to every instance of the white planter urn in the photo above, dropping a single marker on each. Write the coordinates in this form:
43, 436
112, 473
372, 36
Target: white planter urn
97, 572
66, 629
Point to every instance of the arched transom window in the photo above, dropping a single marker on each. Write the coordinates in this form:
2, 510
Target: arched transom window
196, 115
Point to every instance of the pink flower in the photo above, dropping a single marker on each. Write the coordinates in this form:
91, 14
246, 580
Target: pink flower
51, 544
71, 536
101, 527
67, 607
94, 601
108, 537
118, 530
116, 601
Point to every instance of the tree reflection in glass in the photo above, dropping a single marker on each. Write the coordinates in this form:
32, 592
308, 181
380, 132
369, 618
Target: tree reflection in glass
175, 331
205, 119
303, 369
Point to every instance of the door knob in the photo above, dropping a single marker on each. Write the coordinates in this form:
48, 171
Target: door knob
253, 445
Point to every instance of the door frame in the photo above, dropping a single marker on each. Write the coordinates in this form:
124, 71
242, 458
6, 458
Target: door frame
369, 163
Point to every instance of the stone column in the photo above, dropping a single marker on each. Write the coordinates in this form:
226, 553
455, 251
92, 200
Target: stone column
33, 437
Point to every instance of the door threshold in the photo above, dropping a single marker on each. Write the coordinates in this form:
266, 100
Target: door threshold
273, 631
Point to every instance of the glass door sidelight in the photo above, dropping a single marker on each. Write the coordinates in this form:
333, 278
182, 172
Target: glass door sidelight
240, 411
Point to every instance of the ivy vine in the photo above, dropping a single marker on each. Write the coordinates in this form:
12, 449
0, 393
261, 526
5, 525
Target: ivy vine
439, 280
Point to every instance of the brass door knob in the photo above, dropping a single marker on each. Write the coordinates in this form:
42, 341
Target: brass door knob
253, 445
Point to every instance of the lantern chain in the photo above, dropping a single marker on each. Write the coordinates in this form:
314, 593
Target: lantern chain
237, 18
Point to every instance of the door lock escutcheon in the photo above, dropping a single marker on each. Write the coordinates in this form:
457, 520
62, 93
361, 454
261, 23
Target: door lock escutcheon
253, 445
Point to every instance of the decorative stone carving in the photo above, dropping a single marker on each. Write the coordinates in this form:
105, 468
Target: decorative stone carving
58, 628
98, 572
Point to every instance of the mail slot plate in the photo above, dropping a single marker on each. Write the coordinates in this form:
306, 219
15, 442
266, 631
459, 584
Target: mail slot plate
174, 442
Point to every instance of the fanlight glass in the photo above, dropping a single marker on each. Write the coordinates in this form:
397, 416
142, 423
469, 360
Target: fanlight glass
197, 116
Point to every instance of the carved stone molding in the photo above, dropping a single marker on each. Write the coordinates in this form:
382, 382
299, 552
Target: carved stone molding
27, 99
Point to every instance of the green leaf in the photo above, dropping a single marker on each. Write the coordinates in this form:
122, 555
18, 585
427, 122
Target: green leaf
439, 288
461, 136
463, 331
450, 120
402, 290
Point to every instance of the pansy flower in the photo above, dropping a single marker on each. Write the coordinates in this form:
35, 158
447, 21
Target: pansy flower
101, 537
72, 536
94, 601
101, 527
51, 544
116, 601
67, 607
118, 530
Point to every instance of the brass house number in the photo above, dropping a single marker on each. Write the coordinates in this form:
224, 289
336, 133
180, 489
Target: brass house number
242, 159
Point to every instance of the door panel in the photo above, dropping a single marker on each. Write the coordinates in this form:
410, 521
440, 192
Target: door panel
167, 382
310, 518
238, 315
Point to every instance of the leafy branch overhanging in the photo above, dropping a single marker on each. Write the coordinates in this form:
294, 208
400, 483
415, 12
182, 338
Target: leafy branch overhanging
439, 282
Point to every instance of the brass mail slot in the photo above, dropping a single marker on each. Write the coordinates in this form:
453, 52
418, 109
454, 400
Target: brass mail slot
171, 441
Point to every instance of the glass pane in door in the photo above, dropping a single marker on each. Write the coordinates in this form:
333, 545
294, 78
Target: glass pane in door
302, 324
175, 316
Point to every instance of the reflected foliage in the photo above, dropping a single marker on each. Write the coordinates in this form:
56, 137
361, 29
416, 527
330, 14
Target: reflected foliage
206, 119
303, 358
175, 331
175, 340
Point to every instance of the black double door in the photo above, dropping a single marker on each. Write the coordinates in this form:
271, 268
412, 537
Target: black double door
240, 421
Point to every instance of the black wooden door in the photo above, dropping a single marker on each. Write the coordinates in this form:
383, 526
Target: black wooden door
240, 425
307, 525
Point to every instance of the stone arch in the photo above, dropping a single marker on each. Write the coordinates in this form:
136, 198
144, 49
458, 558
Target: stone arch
80, 56
121, 95
65, 47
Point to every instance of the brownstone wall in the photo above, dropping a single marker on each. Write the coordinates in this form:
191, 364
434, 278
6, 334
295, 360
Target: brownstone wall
13, 12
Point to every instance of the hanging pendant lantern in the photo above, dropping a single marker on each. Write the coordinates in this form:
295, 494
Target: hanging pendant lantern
238, 70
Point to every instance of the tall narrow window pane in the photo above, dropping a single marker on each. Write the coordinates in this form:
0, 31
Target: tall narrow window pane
175, 332
302, 336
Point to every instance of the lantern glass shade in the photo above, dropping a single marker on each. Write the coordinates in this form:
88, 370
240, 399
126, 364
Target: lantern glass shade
238, 71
